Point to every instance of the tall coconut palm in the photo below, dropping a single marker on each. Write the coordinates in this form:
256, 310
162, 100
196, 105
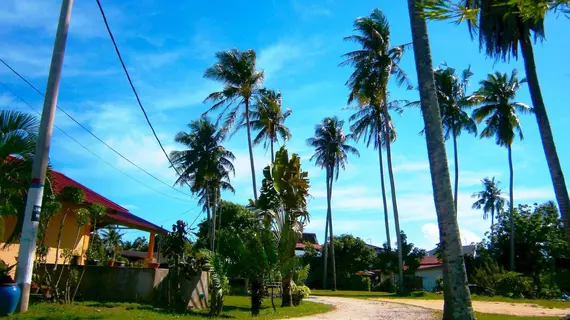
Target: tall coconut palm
205, 165
331, 153
505, 28
374, 65
502, 123
368, 122
452, 100
269, 119
18, 134
237, 71
457, 298
111, 238
489, 199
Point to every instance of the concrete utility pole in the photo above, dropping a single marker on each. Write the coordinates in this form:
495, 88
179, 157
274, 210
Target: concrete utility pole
25, 265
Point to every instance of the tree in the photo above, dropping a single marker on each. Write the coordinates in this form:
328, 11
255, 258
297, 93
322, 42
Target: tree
457, 298
452, 100
139, 244
18, 133
502, 122
331, 153
388, 259
283, 206
539, 239
368, 122
489, 199
237, 71
353, 255
268, 118
375, 63
112, 239
505, 28
205, 165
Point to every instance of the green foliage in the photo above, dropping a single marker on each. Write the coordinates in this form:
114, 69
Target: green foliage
97, 211
385, 286
438, 284
4, 271
387, 261
83, 217
354, 282
298, 293
268, 118
72, 195
301, 274
213, 263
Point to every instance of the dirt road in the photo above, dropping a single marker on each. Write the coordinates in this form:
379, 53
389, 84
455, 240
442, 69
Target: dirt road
348, 308
515, 309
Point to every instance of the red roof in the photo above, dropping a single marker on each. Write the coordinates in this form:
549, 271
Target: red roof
120, 215
430, 262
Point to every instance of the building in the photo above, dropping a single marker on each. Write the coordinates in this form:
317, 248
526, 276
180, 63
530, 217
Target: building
431, 268
116, 215
305, 239
377, 250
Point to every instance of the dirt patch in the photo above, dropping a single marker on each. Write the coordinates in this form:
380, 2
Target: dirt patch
515, 309
349, 308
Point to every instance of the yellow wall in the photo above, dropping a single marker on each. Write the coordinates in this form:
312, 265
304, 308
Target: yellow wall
68, 238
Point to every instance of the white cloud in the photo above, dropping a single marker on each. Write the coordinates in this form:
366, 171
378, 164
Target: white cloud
411, 166
308, 10
431, 236
536, 193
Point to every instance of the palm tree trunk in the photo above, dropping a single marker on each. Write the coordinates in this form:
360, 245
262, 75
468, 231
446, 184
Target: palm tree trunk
272, 152
250, 147
219, 199
511, 211
325, 246
456, 186
331, 242
386, 224
393, 192
556, 173
492, 225
214, 212
457, 299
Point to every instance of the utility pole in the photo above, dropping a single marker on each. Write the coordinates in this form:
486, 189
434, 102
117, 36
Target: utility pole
25, 265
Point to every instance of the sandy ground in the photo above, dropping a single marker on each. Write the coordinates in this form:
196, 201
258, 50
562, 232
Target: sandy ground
348, 308
515, 309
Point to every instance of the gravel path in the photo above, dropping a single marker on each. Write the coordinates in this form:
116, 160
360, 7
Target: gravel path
515, 309
349, 308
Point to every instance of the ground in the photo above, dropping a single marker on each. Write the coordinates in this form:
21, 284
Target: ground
347, 308
234, 308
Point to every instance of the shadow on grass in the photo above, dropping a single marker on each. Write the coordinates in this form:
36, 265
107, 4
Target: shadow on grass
107, 305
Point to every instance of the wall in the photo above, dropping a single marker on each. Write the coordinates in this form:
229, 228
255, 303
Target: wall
141, 285
68, 238
429, 276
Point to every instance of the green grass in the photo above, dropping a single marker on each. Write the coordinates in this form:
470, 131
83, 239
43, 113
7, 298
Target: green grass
234, 308
487, 316
432, 296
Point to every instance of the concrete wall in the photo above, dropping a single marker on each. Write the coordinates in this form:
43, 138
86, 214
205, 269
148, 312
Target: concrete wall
429, 276
134, 285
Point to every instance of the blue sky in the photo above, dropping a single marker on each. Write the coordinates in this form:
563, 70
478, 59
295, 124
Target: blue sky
299, 44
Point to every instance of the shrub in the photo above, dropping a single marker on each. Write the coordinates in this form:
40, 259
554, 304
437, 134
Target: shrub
514, 285
385, 286
354, 282
299, 292
438, 284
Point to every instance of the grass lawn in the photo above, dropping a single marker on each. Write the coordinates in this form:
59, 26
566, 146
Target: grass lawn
234, 307
433, 296
487, 316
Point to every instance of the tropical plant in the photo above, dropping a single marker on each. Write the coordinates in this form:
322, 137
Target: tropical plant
268, 118
215, 264
139, 244
453, 100
489, 199
18, 133
505, 28
5, 270
457, 298
237, 71
283, 204
502, 122
111, 238
331, 153
205, 165
375, 63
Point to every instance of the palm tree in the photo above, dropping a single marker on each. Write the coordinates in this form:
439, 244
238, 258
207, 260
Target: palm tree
111, 238
368, 122
237, 71
457, 298
505, 28
489, 199
205, 165
500, 115
18, 134
374, 64
452, 100
268, 117
331, 153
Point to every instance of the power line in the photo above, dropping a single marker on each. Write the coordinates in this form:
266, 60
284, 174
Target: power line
89, 131
88, 150
178, 216
133, 87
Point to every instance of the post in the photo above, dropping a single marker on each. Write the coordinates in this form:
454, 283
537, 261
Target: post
35, 193
150, 252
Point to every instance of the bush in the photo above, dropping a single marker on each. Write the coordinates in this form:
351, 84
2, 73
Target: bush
354, 282
299, 292
513, 285
438, 284
385, 286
